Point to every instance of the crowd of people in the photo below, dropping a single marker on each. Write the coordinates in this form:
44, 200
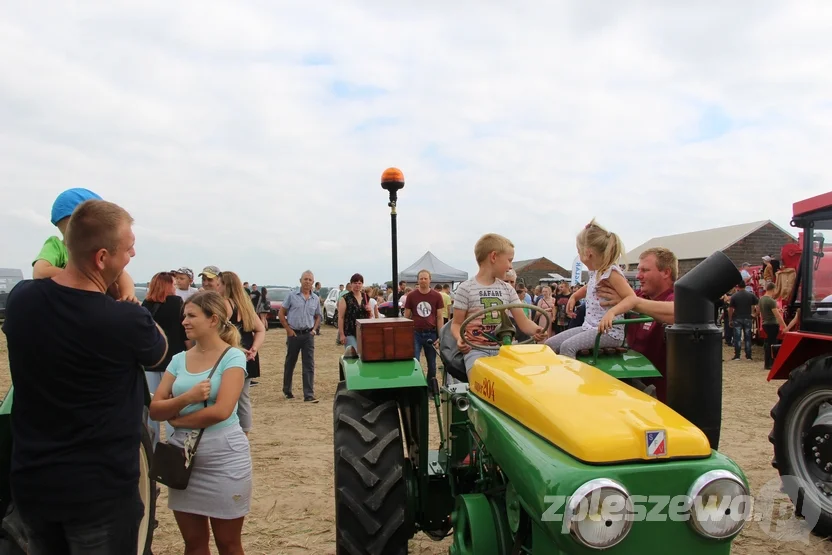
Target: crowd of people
79, 401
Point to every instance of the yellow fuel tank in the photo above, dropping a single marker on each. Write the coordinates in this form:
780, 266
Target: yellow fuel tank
580, 409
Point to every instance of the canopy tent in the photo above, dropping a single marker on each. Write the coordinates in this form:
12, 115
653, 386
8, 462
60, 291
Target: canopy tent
440, 272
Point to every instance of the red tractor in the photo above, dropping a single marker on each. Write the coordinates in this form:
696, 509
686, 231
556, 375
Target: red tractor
802, 430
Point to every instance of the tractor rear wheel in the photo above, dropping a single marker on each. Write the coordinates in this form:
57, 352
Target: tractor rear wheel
371, 516
802, 440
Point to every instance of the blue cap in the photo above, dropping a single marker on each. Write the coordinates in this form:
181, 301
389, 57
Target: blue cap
66, 202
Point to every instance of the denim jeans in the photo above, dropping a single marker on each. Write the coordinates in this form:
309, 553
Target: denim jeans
420, 341
742, 325
115, 531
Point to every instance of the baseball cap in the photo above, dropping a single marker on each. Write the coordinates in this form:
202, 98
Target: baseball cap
767, 259
210, 272
66, 202
184, 271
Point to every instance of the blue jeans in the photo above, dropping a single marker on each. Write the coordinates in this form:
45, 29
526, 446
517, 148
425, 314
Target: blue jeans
420, 340
153, 381
740, 326
114, 531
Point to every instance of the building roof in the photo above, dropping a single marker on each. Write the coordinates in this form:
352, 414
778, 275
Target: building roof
702, 244
518, 265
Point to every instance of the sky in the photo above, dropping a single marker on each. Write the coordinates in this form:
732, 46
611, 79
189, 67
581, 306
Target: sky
253, 135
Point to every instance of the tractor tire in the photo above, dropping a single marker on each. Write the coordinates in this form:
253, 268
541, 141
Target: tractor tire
147, 492
371, 515
799, 399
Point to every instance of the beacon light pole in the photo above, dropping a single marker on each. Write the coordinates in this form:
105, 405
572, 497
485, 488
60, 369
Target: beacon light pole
393, 179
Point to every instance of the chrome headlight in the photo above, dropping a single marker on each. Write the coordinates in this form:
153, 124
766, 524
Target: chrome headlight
599, 514
720, 504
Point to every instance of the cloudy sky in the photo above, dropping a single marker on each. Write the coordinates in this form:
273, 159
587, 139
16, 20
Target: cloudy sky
252, 135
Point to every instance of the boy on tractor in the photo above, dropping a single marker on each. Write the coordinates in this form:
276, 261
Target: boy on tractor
494, 254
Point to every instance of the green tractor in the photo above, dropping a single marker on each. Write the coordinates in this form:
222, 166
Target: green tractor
539, 453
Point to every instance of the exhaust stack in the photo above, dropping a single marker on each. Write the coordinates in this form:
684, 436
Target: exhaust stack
694, 344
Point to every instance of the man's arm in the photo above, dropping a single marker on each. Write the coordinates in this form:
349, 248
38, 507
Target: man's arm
285, 323
661, 311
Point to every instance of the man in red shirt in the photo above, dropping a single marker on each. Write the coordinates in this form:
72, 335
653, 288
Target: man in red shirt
658, 270
424, 306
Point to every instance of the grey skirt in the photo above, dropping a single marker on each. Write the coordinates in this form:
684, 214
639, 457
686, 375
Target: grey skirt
220, 484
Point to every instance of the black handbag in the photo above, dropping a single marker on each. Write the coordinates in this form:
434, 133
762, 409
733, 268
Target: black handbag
172, 465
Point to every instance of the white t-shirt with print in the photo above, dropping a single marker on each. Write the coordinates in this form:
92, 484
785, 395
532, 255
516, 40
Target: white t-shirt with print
594, 311
472, 296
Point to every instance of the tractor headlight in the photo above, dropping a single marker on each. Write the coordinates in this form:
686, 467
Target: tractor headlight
599, 514
720, 504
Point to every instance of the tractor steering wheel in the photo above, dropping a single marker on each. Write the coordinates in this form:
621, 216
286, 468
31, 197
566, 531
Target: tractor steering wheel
501, 308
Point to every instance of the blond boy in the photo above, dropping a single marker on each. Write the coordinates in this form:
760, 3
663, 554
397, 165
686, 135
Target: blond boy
494, 254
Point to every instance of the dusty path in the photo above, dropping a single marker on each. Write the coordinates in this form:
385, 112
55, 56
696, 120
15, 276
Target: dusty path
292, 452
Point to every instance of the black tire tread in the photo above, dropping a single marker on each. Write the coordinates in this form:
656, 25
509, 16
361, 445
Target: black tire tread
370, 489
815, 372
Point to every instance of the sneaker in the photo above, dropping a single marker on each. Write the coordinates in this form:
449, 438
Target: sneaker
736, 358
288, 395
310, 400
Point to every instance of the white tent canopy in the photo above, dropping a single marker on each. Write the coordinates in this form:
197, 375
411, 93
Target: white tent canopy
440, 272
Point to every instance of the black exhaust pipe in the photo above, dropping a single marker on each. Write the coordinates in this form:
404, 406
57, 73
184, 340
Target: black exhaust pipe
694, 344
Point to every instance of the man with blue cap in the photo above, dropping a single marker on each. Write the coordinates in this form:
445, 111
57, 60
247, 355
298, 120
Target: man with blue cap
53, 255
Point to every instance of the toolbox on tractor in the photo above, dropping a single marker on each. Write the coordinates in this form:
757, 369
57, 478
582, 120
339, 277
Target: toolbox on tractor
539, 453
384, 339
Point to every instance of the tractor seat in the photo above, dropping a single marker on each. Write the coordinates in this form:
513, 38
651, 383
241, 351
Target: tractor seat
451, 357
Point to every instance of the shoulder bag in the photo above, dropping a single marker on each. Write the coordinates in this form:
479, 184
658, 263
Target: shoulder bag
172, 465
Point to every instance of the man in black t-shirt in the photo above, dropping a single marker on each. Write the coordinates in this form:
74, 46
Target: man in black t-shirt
75, 356
741, 311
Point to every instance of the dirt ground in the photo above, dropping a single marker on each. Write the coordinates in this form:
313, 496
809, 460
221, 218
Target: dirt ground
293, 511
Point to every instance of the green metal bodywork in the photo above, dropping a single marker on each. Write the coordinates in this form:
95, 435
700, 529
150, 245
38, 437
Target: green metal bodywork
622, 366
382, 375
535, 468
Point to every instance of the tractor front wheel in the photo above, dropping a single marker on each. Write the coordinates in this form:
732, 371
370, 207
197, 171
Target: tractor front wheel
371, 516
802, 440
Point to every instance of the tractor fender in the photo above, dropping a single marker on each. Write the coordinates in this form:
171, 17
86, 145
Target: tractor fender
797, 348
387, 374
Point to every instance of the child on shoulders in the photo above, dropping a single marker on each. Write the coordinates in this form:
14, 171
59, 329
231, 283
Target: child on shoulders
600, 251
52, 258
494, 254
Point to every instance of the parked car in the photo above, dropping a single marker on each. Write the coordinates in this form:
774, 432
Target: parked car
330, 308
9, 277
276, 296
